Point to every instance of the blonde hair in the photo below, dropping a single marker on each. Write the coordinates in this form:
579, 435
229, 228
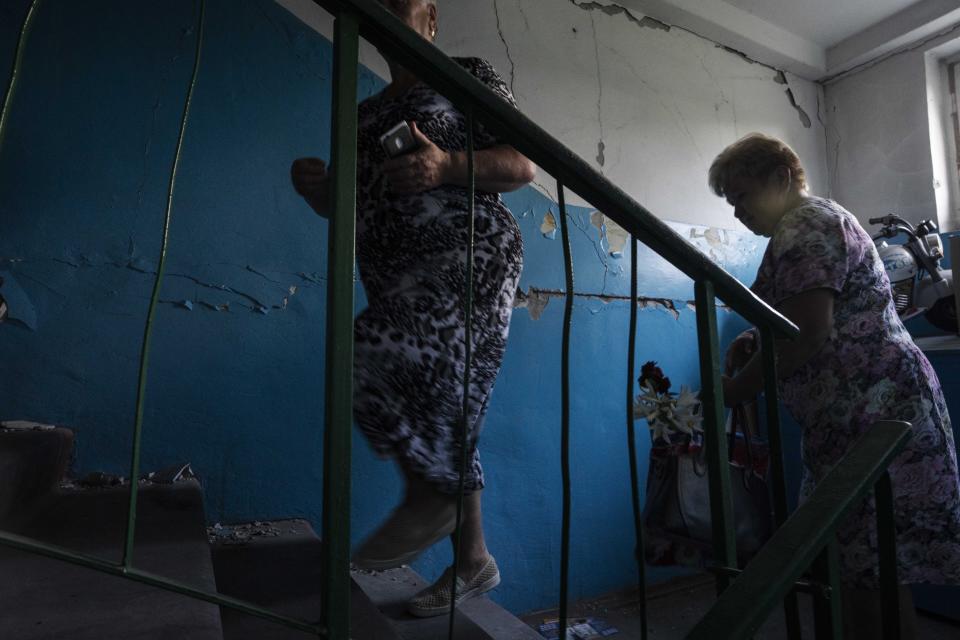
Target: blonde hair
754, 156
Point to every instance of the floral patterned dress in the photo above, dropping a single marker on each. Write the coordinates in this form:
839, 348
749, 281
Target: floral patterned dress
868, 370
411, 249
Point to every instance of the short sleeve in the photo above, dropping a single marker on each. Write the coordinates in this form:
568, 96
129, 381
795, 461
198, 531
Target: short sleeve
809, 250
485, 73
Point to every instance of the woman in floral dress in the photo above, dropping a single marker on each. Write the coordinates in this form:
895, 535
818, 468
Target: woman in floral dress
412, 221
853, 364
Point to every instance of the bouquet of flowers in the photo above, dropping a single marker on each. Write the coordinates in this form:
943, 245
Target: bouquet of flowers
674, 419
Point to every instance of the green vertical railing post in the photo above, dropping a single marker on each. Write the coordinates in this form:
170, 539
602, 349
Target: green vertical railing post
711, 398
465, 447
777, 473
339, 353
632, 442
565, 412
827, 614
887, 543
15, 68
131, 525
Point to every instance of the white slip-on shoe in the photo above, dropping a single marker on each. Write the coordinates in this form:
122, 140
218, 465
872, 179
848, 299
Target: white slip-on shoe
435, 599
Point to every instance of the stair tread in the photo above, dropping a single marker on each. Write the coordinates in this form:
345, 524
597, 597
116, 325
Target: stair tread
479, 618
55, 599
282, 572
32, 464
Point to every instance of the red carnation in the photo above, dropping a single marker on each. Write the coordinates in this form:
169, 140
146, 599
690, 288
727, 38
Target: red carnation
652, 374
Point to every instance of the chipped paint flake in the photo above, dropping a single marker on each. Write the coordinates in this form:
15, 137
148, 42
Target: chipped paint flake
614, 9
612, 234
535, 300
549, 226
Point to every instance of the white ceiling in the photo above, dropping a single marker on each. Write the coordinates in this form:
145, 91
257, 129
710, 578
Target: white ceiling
825, 22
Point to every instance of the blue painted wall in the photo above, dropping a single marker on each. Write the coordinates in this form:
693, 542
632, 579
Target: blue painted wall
236, 383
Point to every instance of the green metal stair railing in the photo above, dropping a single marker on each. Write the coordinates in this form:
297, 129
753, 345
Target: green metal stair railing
809, 538
370, 20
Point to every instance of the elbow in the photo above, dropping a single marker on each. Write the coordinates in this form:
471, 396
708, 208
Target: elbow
523, 175
528, 172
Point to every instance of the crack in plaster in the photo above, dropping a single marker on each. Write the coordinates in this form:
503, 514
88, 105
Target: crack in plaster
513, 66
713, 78
523, 14
545, 190
596, 48
535, 301
804, 118
615, 9
826, 139
597, 246
136, 264
652, 23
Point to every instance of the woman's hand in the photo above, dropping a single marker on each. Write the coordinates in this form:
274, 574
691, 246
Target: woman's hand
740, 352
418, 171
311, 180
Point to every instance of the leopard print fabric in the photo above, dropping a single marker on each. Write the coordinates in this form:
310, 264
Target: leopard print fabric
411, 250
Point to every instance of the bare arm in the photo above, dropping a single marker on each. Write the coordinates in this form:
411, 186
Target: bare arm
498, 169
311, 180
812, 312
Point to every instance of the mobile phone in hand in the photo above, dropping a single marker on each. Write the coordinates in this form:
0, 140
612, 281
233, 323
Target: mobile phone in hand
398, 140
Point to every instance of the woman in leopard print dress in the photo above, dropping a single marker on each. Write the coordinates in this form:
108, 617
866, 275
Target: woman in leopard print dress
412, 233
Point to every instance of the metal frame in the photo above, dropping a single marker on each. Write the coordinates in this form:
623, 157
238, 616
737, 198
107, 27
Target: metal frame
806, 535
750, 597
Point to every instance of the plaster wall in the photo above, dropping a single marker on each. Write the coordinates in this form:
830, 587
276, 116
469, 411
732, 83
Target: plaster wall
648, 104
236, 376
889, 141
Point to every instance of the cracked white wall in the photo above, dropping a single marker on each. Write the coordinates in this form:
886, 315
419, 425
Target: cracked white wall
886, 146
649, 105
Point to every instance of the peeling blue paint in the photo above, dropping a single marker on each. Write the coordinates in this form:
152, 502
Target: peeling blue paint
19, 308
83, 177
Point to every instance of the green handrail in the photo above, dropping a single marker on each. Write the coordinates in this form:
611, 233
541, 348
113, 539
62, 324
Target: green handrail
370, 19
391, 36
771, 574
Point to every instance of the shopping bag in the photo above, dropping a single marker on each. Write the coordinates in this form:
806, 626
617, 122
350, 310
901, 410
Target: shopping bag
677, 511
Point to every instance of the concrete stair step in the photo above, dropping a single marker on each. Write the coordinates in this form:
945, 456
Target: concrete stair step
32, 464
278, 566
46, 599
477, 619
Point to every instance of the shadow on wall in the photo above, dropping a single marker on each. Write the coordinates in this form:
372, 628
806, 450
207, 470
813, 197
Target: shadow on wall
236, 377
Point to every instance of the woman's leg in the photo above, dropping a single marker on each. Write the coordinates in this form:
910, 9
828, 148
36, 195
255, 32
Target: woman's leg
473, 547
425, 517
863, 619
421, 496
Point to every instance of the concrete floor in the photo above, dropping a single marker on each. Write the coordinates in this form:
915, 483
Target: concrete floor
676, 606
